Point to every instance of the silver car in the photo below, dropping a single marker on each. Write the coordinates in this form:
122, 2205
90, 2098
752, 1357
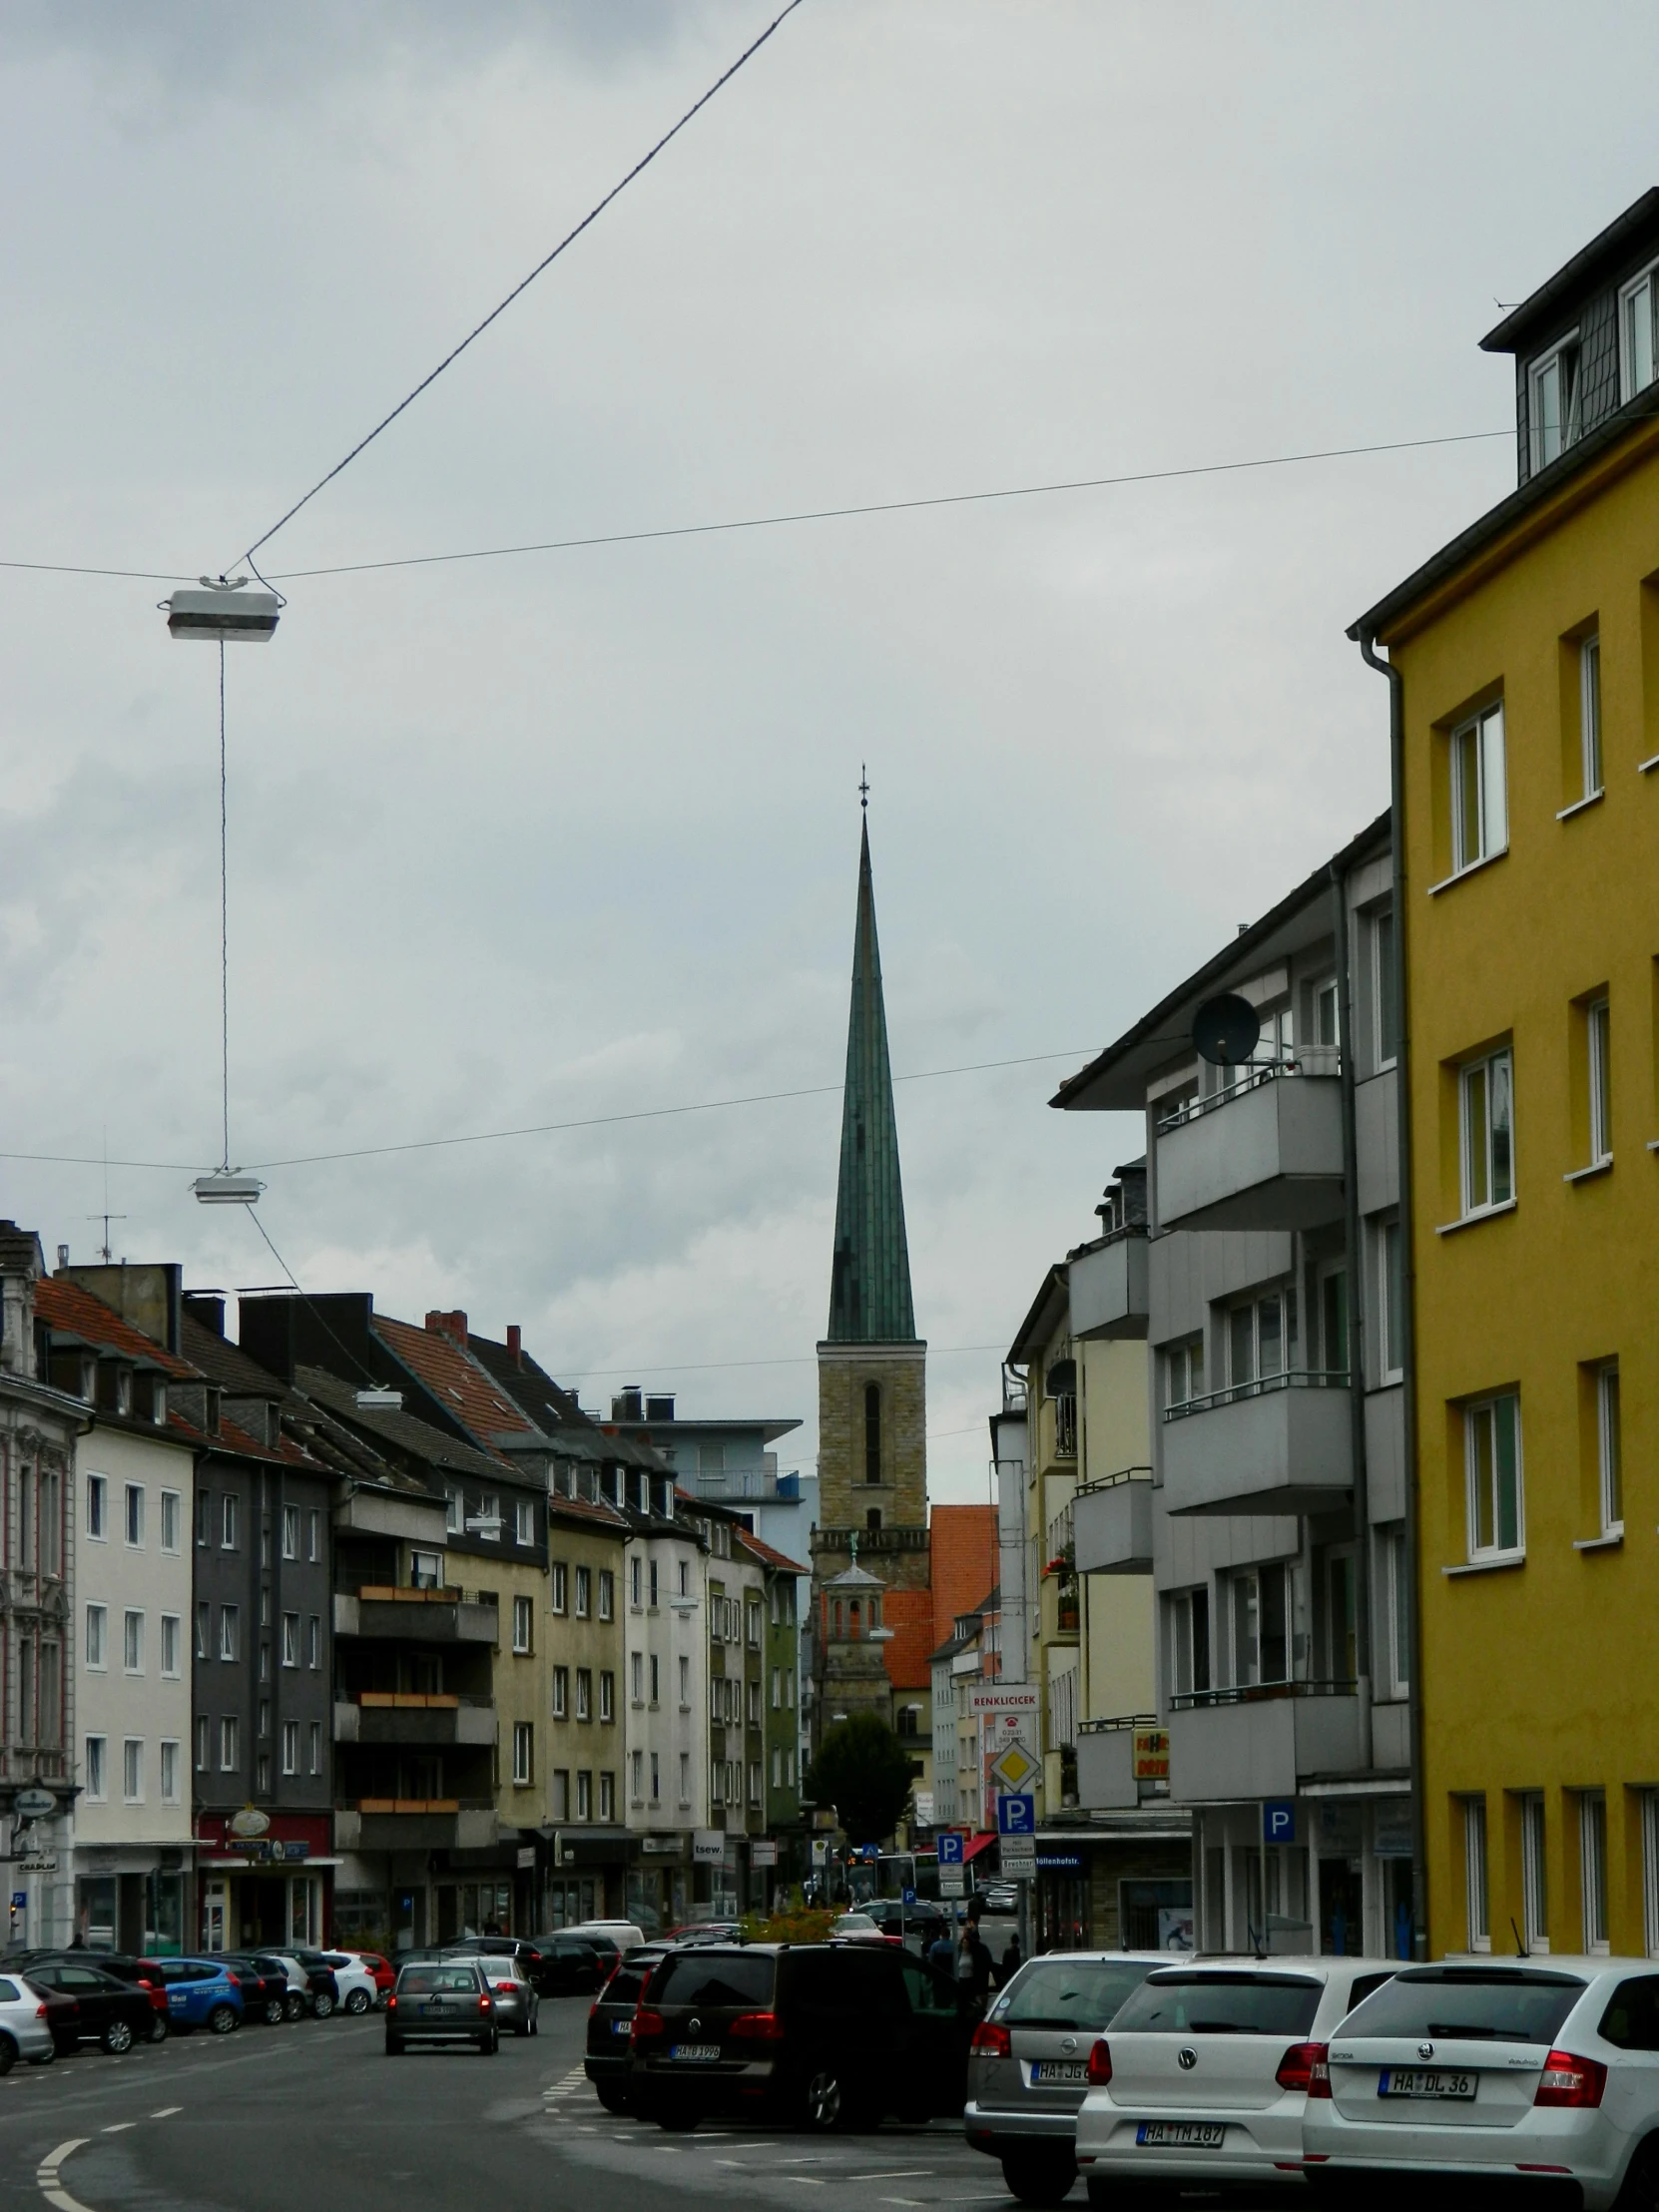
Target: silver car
516, 2002
23, 2030
1028, 2067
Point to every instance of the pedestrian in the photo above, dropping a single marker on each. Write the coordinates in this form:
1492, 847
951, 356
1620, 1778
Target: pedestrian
1011, 1963
973, 1968
941, 1951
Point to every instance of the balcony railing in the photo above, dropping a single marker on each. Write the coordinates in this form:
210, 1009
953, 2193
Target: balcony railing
1118, 1724
1111, 1482
1289, 1379
1312, 1060
1257, 1693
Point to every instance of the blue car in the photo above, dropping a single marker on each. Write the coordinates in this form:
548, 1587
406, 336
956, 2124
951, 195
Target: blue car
201, 1993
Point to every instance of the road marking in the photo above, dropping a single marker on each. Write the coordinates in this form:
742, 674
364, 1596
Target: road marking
901, 2200
48, 2178
167, 2111
897, 2173
119, 2128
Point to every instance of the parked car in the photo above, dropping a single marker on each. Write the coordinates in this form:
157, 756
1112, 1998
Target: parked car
141, 1973
1452, 2076
705, 1931
1028, 2063
516, 2001
24, 2030
355, 1989
830, 2034
107, 2011
314, 1981
446, 2001
526, 1949
1202, 2077
264, 1985
611, 2022
569, 1967
201, 1993
623, 1935
382, 1971
915, 1926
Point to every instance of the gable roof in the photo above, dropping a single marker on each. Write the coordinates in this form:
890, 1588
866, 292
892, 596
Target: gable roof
767, 1556
72, 1312
399, 1432
465, 1389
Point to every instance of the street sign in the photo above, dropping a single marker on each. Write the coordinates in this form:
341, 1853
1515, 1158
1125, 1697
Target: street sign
906, 1896
1014, 1769
20, 1901
1016, 1816
871, 1854
950, 1848
1018, 1856
34, 1804
762, 1852
952, 1881
1279, 1821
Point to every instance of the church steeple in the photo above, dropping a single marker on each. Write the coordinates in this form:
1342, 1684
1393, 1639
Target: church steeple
870, 1280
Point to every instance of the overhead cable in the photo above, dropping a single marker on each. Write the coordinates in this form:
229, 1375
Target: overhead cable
524, 284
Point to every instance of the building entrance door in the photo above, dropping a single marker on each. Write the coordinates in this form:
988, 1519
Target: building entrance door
1341, 1908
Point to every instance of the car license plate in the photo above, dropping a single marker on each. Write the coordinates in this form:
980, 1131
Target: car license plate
695, 2054
1413, 2081
1181, 2135
1049, 2070
621, 2027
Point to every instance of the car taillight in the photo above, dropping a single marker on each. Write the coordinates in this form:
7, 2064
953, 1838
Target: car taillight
1305, 2067
40, 2012
486, 2002
233, 1979
1098, 2071
157, 1996
391, 2004
1569, 2080
644, 2024
764, 2027
992, 2040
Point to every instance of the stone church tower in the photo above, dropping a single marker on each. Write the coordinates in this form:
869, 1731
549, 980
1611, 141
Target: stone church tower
871, 1565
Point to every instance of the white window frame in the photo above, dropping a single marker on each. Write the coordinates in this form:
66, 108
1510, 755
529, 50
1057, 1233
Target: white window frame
291, 1746
132, 1770
1534, 1875
204, 1742
561, 1693
230, 1633
455, 1511
1599, 1059
1390, 1299
314, 1535
1380, 936
172, 1628
1609, 1449
229, 1522
524, 1520
170, 1770
656, 1779
607, 1795
1593, 1872
1487, 834
607, 1696
584, 1594
132, 1642
313, 1640
98, 1638
1589, 715
98, 1509
97, 1764
1476, 1895
607, 1595
290, 1639
584, 1694
314, 1746
524, 1754
291, 1532
1396, 1584
1489, 1181
583, 1793
1476, 1412
1645, 282
1563, 359
524, 1625
561, 1586
132, 1515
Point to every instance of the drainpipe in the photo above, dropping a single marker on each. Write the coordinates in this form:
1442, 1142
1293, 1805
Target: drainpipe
1367, 642
1354, 1230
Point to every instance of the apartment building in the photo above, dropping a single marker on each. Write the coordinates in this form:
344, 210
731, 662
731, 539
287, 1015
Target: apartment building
1275, 1515
581, 1638
1523, 664
130, 1840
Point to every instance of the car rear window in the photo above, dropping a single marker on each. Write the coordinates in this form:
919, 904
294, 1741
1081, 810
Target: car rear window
624, 1986
714, 1978
1070, 1993
426, 1980
1473, 2003
10, 1993
1220, 2005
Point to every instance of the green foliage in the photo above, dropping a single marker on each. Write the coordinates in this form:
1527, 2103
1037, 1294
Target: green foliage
863, 1771
801, 1925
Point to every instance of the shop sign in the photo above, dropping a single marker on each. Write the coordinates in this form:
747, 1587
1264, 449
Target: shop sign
1060, 1861
762, 1852
708, 1846
34, 1804
1337, 1829
1391, 1828
249, 1822
924, 1808
952, 1880
664, 1847
526, 1855
1150, 1752
40, 1866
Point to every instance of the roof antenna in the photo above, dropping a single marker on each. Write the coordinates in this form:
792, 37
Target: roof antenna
1520, 1947
105, 1251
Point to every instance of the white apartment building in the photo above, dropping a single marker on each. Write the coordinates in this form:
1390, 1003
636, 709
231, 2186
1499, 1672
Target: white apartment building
665, 1729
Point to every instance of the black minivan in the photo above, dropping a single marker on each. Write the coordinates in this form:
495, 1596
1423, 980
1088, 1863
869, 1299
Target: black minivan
822, 2035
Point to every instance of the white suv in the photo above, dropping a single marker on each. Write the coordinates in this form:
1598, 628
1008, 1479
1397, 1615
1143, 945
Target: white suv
1528, 2067
1200, 2080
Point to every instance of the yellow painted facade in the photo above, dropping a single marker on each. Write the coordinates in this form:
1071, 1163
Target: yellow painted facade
1538, 1655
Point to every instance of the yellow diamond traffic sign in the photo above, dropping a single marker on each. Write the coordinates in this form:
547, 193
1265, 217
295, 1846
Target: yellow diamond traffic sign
1013, 1768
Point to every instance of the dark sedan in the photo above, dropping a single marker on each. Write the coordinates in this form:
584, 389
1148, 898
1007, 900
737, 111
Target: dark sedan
266, 1994
138, 1974
107, 2010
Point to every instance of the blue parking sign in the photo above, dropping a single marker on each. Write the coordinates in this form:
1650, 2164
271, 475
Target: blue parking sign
1016, 1816
906, 1896
950, 1848
1279, 1821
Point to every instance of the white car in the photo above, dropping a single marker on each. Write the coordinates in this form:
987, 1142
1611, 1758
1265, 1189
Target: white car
1479, 2068
1201, 2079
358, 1991
626, 1934
23, 2030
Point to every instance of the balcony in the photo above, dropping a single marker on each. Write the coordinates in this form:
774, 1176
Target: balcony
1266, 1154
415, 1616
1108, 1286
1112, 1524
415, 1824
1109, 1753
1282, 1444
415, 1720
1226, 1746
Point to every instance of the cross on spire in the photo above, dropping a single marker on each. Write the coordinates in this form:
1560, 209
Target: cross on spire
863, 786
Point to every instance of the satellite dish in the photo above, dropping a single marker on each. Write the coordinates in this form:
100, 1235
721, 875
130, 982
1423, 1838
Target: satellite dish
1227, 1030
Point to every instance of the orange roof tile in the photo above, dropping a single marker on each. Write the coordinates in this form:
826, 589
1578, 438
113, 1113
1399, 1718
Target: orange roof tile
767, 1557
966, 1563
67, 1307
909, 1614
460, 1382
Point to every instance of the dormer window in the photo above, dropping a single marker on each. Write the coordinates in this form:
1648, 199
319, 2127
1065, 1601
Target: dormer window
1552, 410
1638, 305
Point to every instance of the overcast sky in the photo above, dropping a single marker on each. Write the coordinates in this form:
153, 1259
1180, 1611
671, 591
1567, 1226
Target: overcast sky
575, 835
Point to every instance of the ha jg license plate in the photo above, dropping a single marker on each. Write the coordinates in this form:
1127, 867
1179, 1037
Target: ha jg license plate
695, 2054
1047, 2071
1415, 2082
1179, 2134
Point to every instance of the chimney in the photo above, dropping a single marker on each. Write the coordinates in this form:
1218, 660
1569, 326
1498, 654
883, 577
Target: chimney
452, 1325
515, 1344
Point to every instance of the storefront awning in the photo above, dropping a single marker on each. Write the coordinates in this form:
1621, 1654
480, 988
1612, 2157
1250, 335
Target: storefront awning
975, 1845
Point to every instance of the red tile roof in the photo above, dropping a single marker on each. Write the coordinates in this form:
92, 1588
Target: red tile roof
77, 1313
769, 1557
909, 1614
455, 1378
966, 1563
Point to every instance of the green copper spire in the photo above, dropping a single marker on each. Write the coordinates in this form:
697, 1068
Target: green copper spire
870, 1281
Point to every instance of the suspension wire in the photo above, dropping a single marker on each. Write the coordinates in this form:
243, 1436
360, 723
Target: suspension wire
223, 936
546, 262
321, 1318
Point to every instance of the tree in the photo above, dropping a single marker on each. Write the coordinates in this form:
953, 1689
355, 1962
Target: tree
863, 1771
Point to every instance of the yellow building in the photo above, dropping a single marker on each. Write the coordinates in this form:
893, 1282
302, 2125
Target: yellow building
1525, 665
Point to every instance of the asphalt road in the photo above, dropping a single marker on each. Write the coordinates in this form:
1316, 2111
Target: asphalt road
314, 2118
